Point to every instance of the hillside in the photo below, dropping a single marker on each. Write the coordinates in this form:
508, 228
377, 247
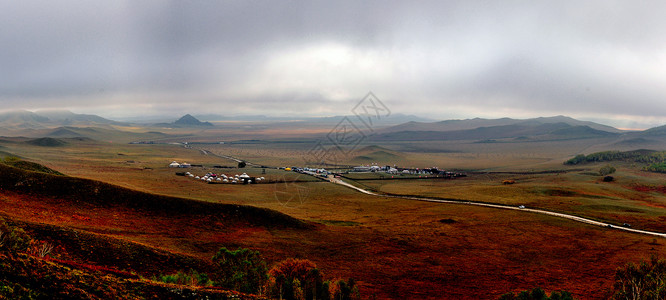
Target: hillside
469, 124
23, 119
47, 142
654, 132
86, 191
539, 131
28, 277
93, 258
101, 134
65, 117
374, 154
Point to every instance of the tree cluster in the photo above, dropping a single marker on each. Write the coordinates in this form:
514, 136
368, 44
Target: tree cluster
292, 279
640, 156
537, 294
646, 280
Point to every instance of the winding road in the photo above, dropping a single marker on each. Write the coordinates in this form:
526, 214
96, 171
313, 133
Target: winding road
501, 206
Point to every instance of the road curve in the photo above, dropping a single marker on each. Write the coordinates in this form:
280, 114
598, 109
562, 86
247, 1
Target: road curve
501, 206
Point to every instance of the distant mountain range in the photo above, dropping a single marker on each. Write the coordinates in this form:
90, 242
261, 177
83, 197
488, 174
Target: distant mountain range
550, 128
393, 119
397, 127
454, 125
23, 119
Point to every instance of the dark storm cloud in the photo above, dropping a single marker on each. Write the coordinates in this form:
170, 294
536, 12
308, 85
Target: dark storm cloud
600, 59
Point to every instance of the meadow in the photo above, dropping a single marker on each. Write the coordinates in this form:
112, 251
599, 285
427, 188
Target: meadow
395, 248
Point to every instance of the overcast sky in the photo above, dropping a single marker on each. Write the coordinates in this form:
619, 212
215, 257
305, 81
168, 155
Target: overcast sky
596, 60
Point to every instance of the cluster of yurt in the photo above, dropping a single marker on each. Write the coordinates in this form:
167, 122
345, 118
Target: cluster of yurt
222, 178
175, 164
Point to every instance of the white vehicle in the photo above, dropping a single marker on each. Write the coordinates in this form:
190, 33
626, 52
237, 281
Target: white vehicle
521, 207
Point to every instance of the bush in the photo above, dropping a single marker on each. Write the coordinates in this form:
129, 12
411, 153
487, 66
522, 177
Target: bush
242, 270
192, 278
659, 168
537, 294
606, 170
242, 164
13, 239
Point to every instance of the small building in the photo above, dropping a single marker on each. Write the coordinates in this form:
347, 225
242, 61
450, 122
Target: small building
361, 169
174, 164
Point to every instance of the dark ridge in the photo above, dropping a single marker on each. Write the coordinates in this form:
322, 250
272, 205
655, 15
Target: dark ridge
47, 142
80, 190
579, 131
189, 120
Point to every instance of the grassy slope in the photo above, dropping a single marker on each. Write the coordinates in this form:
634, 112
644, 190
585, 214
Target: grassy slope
26, 277
86, 191
25, 193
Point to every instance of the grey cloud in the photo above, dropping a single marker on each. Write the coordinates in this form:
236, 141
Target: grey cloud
564, 56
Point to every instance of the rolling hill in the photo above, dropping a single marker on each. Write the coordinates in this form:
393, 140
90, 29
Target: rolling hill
65, 117
372, 154
554, 128
94, 257
468, 124
90, 192
23, 119
101, 134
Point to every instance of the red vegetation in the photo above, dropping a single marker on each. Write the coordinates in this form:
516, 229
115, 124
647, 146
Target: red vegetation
93, 268
398, 249
648, 188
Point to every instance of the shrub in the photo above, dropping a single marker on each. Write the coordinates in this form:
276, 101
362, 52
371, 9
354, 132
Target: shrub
40, 248
606, 170
13, 239
191, 278
537, 294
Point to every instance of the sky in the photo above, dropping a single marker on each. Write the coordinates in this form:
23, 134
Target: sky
594, 60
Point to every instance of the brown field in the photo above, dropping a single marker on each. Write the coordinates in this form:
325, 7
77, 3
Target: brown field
397, 249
